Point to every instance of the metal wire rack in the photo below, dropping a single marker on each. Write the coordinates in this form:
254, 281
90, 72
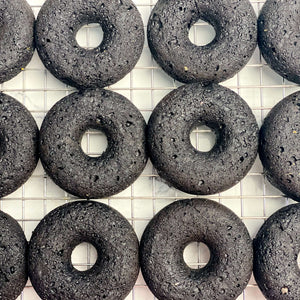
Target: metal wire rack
253, 199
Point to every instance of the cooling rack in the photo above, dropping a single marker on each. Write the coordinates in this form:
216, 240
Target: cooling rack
253, 199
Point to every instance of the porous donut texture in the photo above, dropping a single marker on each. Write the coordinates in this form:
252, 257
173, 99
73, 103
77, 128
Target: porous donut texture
279, 146
117, 167
16, 37
278, 37
175, 158
19, 136
276, 249
196, 220
123, 40
13, 258
50, 268
230, 50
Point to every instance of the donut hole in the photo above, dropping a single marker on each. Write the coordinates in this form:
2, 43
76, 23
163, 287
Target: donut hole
202, 33
94, 142
84, 257
203, 138
196, 255
90, 36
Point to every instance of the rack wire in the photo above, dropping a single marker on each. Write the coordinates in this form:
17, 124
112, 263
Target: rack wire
253, 199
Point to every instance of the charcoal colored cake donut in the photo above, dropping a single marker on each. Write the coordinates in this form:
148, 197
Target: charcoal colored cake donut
118, 166
278, 37
19, 136
276, 248
13, 258
57, 24
232, 47
196, 220
172, 153
115, 270
279, 146
17, 38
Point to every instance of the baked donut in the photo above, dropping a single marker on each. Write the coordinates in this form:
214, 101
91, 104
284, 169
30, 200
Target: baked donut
56, 27
18, 144
232, 47
17, 38
13, 258
196, 220
73, 170
172, 153
278, 37
279, 146
116, 269
276, 249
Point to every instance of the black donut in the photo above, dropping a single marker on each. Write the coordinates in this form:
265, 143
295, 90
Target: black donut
172, 153
278, 37
17, 41
235, 41
279, 146
18, 144
73, 170
116, 269
196, 220
276, 248
13, 258
123, 40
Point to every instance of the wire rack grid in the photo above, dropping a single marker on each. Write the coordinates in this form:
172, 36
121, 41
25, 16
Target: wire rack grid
253, 199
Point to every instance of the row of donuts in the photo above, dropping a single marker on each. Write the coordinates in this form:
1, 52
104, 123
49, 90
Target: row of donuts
47, 258
276, 246
234, 22
130, 141
171, 151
